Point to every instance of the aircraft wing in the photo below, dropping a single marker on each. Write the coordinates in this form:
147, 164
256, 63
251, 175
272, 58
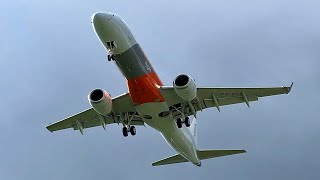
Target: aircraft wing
122, 109
208, 97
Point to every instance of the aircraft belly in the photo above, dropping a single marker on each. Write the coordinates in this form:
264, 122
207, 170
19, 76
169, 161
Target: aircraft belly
143, 82
150, 114
179, 142
174, 136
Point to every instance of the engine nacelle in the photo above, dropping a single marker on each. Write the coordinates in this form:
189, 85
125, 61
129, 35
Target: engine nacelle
185, 87
100, 101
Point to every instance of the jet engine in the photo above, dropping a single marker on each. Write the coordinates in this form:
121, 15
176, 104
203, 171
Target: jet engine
185, 87
100, 101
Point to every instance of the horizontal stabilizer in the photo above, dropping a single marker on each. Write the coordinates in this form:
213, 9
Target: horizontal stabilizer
207, 154
204, 154
170, 160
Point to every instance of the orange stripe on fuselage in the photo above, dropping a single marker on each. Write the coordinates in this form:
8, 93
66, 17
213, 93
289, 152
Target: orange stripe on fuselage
145, 89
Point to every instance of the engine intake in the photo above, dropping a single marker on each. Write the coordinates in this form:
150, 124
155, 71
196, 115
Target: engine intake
181, 80
100, 101
185, 87
96, 95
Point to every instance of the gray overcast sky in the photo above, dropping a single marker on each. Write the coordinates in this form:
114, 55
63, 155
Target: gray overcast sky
50, 59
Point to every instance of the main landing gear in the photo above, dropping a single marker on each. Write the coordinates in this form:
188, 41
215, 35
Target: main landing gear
186, 122
126, 130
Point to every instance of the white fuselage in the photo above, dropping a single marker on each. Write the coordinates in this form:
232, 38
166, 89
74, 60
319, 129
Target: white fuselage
135, 67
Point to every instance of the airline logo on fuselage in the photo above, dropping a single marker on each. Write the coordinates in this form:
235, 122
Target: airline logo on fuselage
148, 67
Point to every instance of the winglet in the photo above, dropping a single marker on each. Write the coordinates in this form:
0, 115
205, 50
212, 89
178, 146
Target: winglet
289, 88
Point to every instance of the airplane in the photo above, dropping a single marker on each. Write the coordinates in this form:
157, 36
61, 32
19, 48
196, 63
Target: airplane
167, 109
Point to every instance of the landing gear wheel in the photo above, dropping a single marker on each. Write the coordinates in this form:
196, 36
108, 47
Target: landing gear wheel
125, 131
179, 123
187, 121
112, 44
110, 57
133, 130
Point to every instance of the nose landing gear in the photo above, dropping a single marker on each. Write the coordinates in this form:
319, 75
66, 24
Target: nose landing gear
110, 57
111, 45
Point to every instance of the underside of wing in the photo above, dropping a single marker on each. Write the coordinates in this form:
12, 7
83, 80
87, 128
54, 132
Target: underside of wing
86, 117
123, 112
216, 97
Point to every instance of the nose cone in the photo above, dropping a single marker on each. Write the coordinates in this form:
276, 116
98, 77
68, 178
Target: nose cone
102, 17
103, 20
98, 17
